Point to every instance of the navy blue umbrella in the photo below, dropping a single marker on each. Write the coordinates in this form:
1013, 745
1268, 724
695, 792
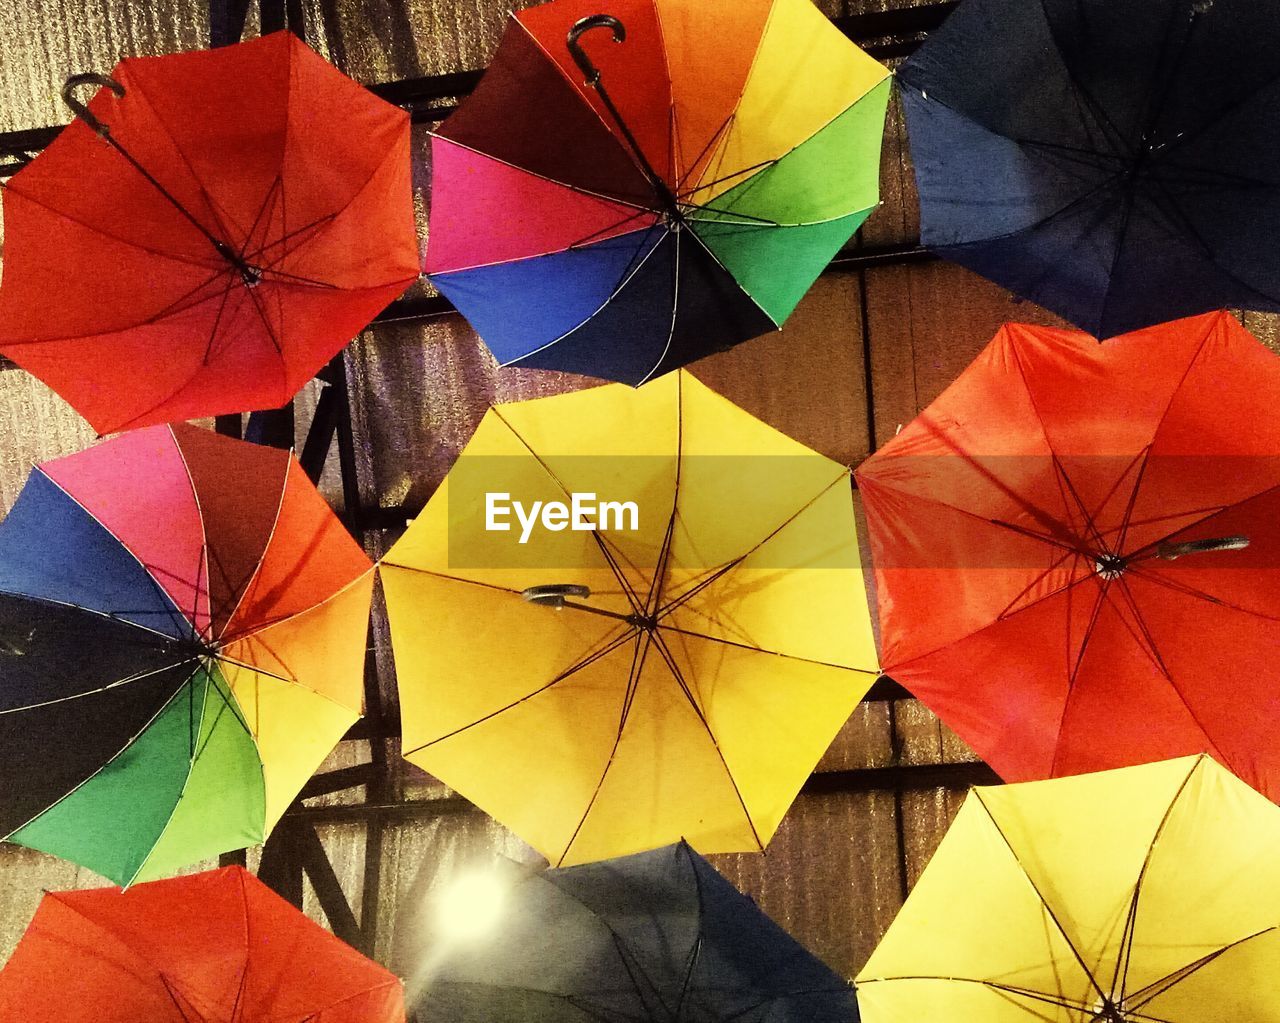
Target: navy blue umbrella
1115, 161
658, 937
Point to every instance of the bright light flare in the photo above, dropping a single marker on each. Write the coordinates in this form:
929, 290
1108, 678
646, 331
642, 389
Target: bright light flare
471, 906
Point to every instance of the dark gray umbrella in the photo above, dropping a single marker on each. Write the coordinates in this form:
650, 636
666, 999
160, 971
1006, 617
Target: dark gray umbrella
659, 937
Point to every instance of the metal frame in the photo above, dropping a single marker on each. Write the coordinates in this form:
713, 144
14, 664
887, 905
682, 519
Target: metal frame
295, 851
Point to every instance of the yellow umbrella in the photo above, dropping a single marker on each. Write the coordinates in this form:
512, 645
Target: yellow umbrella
675, 671
1144, 895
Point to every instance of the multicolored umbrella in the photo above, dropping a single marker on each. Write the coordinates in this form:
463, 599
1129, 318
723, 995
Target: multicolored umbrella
215, 226
213, 946
621, 210
1077, 554
1113, 160
1144, 895
655, 936
182, 633
607, 688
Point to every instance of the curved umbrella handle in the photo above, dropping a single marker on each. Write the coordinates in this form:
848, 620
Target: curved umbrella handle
554, 594
580, 28
79, 109
1171, 551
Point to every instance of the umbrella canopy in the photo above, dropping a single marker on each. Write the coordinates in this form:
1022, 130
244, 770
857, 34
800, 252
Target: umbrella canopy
1144, 895
621, 210
703, 655
655, 936
1113, 160
182, 634
215, 227
217, 947
1057, 545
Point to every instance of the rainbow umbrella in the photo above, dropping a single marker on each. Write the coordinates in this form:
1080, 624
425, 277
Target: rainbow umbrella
621, 210
182, 635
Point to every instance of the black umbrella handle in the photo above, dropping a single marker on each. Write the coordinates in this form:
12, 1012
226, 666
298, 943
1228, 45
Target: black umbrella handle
1171, 551
79, 109
580, 28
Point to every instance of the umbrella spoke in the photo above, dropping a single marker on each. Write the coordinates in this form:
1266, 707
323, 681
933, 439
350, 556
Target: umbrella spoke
1154, 990
638, 656
1177, 586
674, 668
977, 794
1148, 640
609, 647
601, 541
1120, 979
762, 650
719, 573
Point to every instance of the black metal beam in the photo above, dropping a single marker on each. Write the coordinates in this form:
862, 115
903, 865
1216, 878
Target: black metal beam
901, 778
883, 34
324, 880
339, 780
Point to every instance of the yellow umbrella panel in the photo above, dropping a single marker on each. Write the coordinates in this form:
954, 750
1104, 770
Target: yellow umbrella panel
669, 657
1144, 895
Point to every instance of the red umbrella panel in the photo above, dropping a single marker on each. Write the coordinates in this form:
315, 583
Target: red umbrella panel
1077, 550
183, 623
216, 226
218, 946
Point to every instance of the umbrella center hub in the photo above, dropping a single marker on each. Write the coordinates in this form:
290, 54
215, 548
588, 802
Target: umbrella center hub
1110, 566
250, 275
197, 648
1108, 1011
648, 623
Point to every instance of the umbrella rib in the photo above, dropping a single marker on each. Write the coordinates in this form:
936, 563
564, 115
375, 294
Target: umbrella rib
1060, 1001
588, 239
675, 308
1198, 594
631, 147
637, 261
1101, 117
696, 951
135, 87
1009, 608
119, 683
1103, 587
674, 668
1148, 637
762, 650
112, 759
584, 662
1146, 551
638, 657
164, 981
168, 606
1157, 988
728, 566
241, 592
1036, 890
1120, 979
657, 584
217, 323
79, 222
564, 489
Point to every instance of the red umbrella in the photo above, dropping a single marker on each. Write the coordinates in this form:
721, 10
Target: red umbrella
1077, 553
206, 235
218, 946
